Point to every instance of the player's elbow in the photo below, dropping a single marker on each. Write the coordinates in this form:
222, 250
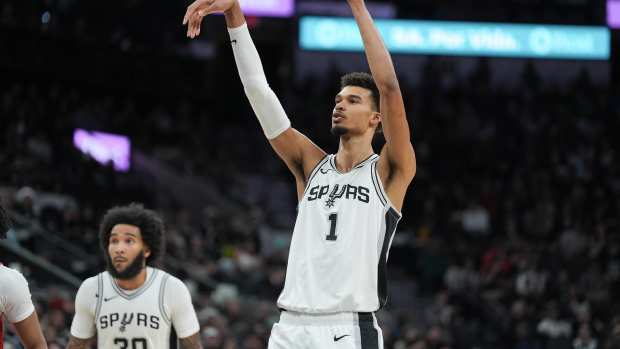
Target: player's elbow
256, 89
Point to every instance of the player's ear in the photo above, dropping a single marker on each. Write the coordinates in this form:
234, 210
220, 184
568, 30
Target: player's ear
147, 252
375, 119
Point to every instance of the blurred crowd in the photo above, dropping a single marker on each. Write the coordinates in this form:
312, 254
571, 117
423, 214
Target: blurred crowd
510, 236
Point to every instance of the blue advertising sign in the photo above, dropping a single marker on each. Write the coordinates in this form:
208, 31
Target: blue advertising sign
461, 38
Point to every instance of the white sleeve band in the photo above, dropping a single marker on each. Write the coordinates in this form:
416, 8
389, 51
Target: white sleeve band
264, 101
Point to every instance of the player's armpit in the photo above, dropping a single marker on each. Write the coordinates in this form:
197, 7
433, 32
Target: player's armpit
191, 342
78, 343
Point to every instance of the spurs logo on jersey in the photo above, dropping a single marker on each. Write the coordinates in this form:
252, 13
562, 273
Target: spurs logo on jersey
347, 191
137, 318
122, 320
342, 235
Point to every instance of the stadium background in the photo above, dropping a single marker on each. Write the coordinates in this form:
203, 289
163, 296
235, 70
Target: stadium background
510, 236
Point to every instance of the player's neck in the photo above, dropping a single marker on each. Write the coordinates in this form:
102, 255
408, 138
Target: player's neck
351, 152
133, 283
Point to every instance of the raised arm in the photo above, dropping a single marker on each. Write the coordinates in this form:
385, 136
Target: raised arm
397, 165
296, 150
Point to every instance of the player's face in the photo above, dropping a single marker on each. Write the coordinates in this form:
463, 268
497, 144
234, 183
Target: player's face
353, 112
124, 246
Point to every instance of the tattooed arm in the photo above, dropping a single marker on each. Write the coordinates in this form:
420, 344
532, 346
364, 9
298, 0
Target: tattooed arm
78, 343
191, 342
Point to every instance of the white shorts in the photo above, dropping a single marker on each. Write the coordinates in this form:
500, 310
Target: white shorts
318, 331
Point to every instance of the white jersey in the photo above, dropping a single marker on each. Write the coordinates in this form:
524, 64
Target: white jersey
137, 319
339, 249
15, 301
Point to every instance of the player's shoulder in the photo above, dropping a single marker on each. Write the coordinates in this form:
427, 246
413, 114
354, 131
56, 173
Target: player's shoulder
11, 278
173, 284
9, 274
173, 280
91, 284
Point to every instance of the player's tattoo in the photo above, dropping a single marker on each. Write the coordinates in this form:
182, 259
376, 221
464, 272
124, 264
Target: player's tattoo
191, 342
77, 343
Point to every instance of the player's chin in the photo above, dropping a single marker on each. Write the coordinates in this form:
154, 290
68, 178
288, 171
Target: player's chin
338, 130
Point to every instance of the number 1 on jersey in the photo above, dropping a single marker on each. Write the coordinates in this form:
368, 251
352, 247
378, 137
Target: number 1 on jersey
332, 228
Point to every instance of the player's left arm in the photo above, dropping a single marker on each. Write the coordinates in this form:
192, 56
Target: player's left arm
397, 165
21, 312
178, 303
191, 342
30, 332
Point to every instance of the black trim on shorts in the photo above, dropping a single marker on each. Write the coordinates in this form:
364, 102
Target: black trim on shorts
368, 333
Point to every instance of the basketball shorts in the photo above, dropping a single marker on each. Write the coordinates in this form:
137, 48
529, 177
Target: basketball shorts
325, 331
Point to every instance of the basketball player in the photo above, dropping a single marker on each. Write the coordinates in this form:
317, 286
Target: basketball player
15, 303
133, 305
349, 202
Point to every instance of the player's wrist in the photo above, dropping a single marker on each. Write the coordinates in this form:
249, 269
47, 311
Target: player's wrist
234, 16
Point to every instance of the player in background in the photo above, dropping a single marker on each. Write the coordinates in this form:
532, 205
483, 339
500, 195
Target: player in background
15, 304
349, 202
133, 305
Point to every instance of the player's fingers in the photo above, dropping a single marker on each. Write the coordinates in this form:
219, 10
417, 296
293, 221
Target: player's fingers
190, 9
196, 28
187, 15
197, 23
189, 29
193, 27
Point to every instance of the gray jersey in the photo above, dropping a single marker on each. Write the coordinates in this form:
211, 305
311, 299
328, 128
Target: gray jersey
339, 249
138, 319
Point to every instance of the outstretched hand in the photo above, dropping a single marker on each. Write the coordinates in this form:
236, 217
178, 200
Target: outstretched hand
201, 8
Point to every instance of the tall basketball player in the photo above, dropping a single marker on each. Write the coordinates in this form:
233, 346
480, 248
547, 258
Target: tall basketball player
133, 305
349, 202
15, 303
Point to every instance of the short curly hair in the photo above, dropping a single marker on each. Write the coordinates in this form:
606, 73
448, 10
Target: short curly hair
151, 227
363, 80
5, 222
